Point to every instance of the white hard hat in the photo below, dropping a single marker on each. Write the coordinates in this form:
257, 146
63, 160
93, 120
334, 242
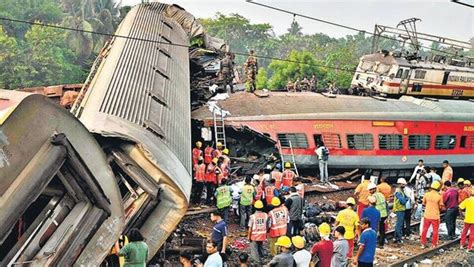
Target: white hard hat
371, 186
401, 181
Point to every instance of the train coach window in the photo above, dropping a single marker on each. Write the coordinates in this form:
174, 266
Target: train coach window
332, 140
360, 141
467, 141
297, 140
420, 74
390, 141
405, 74
419, 142
445, 142
399, 73
417, 87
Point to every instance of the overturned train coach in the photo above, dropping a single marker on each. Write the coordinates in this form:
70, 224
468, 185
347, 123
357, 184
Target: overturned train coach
360, 132
71, 183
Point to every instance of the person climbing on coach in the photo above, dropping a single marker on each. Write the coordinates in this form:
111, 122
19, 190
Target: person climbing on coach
288, 175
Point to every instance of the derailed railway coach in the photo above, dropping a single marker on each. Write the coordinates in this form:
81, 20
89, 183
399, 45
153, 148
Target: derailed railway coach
59, 202
360, 132
389, 74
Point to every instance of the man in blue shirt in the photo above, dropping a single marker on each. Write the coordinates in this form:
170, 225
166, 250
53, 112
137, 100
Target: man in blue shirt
367, 243
372, 213
219, 233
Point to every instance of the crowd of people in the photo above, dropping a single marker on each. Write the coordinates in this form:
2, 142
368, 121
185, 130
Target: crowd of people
271, 203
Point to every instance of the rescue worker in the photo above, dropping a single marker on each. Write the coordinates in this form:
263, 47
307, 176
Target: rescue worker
270, 192
434, 204
251, 68
301, 256
447, 172
227, 71
208, 152
462, 193
399, 201
450, 201
362, 193
324, 248
381, 206
468, 206
197, 153
225, 155
217, 153
222, 170
224, 199
284, 259
199, 180
409, 192
277, 175
246, 199
211, 180
257, 232
350, 220
288, 175
277, 219
294, 204
259, 190
384, 188
372, 213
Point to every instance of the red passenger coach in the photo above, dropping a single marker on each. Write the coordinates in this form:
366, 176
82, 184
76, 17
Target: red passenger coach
359, 131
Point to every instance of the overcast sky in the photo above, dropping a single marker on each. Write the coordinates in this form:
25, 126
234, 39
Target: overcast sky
438, 17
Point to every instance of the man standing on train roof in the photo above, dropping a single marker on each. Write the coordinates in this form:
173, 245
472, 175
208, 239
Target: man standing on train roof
322, 153
362, 194
447, 172
227, 71
418, 169
288, 175
251, 68
197, 152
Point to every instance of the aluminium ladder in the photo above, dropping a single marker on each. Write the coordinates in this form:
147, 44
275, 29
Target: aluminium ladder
292, 158
219, 126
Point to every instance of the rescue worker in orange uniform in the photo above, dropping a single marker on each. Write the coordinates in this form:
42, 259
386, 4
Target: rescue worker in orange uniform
270, 192
225, 155
462, 194
197, 153
384, 188
277, 175
259, 189
211, 180
278, 219
218, 151
362, 194
433, 201
208, 152
447, 172
288, 175
199, 174
257, 233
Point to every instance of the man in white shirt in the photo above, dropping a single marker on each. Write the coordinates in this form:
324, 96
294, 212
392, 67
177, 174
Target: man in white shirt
410, 194
302, 257
322, 154
214, 259
418, 169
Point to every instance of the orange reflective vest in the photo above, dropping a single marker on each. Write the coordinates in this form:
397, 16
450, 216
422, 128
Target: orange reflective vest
287, 177
277, 176
226, 160
279, 220
258, 224
217, 153
199, 172
211, 174
197, 153
208, 151
269, 193
259, 192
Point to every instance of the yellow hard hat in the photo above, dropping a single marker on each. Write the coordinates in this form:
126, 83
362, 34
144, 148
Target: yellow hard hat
276, 202
460, 180
198, 144
298, 241
225, 151
324, 229
283, 241
214, 160
219, 144
436, 185
351, 201
467, 182
258, 204
287, 165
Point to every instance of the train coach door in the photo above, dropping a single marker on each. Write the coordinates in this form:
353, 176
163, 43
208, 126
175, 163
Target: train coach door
445, 77
404, 81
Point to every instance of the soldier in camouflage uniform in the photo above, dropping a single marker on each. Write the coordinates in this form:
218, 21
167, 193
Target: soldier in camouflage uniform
227, 71
251, 68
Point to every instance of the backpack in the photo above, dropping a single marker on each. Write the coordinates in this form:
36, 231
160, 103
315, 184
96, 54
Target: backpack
325, 154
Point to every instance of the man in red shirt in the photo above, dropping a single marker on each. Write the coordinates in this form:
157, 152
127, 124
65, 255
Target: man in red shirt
288, 175
199, 174
324, 248
197, 153
208, 152
277, 175
450, 200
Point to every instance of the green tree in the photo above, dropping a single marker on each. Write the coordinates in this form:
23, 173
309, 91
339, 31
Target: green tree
261, 79
295, 28
8, 51
283, 71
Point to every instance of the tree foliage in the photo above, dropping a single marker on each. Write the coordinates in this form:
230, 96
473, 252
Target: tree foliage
283, 71
261, 80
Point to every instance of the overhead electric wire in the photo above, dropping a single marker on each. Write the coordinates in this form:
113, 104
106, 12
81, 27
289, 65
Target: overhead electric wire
167, 43
462, 3
339, 25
